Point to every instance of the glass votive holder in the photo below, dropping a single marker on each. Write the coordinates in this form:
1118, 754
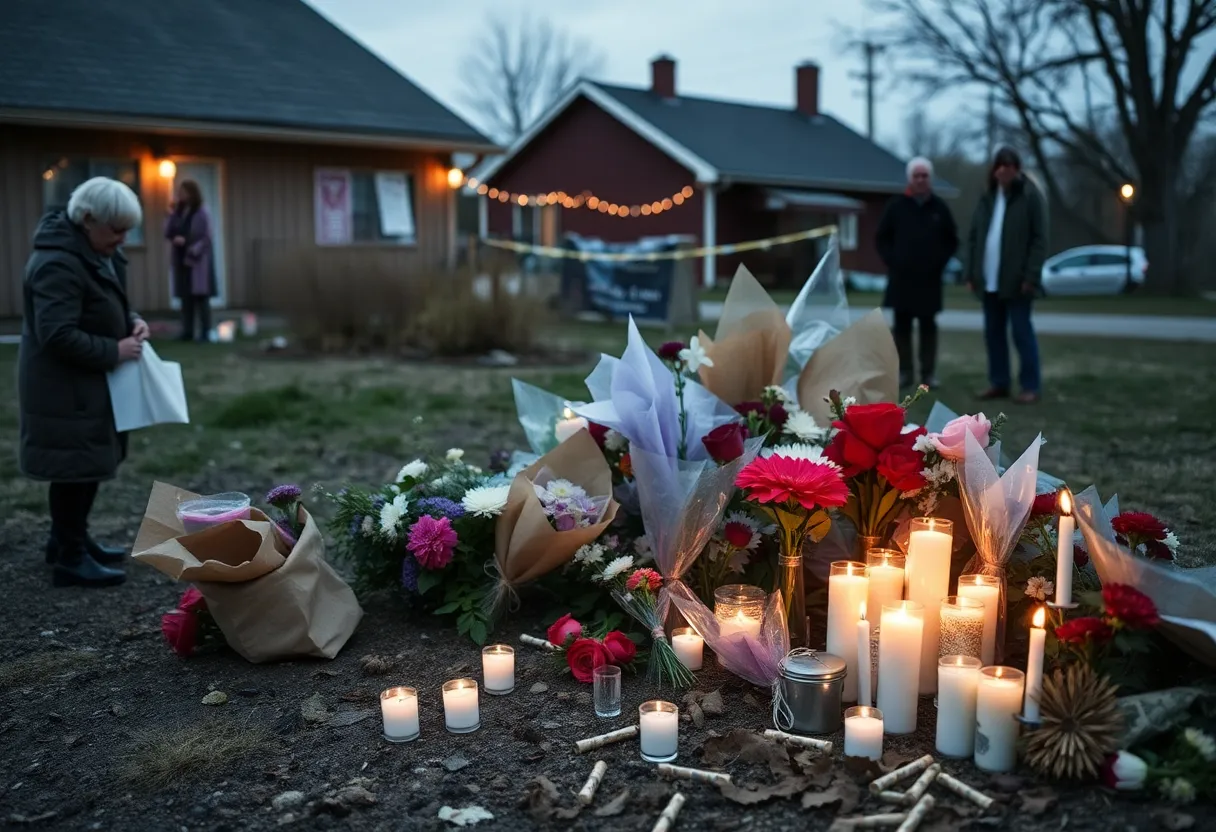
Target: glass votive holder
660, 730
399, 708
606, 690
739, 608
498, 668
962, 627
689, 647
461, 714
863, 732
958, 679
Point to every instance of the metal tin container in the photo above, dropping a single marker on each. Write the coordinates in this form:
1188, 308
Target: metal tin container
812, 684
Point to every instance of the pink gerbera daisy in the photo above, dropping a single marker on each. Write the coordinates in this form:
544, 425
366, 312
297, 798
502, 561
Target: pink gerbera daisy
644, 577
781, 479
432, 541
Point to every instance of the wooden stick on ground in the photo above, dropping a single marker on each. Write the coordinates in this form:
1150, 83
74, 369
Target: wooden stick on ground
876, 821
587, 794
696, 775
922, 808
668, 818
533, 641
963, 790
922, 784
914, 767
895, 798
806, 742
592, 743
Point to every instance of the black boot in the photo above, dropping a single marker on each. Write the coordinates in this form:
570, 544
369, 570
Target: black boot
105, 555
74, 566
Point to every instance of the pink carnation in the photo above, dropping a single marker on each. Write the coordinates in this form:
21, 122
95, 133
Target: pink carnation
952, 441
431, 541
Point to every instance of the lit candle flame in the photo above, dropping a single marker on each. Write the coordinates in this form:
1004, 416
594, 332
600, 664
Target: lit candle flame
567, 413
863, 610
1065, 502
1039, 618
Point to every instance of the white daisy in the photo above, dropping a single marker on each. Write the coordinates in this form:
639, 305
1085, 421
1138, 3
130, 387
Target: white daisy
750, 522
739, 559
801, 425
1039, 588
1204, 744
486, 500
615, 441
590, 553
562, 490
416, 470
1171, 541
368, 526
455, 454
694, 356
782, 395
616, 567
390, 517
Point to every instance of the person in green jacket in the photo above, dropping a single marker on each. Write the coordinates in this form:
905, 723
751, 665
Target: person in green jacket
1007, 245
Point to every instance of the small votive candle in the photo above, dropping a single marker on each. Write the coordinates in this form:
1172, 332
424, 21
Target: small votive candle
738, 609
660, 730
498, 668
958, 679
399, 707
460, 712
962, 627
996, 726
863, 732
689, 647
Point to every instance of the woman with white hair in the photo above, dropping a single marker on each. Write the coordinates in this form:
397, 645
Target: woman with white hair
78, 326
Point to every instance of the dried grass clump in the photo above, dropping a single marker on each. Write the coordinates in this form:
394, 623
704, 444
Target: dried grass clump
40, 667
164, 757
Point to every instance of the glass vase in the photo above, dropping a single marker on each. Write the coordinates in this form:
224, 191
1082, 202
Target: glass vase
793, 596
864, 544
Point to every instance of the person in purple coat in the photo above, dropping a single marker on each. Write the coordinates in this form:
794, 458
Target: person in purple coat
188, 228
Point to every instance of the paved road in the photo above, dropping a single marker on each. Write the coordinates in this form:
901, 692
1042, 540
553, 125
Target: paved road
1153, 327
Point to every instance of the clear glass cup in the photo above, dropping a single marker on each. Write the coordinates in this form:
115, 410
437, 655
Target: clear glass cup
660, 734
606, 690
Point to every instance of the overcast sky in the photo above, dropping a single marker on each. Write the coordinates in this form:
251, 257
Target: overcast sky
723, 48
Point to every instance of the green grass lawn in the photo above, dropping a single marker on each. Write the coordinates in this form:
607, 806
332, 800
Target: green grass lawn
957, 297
1135, 417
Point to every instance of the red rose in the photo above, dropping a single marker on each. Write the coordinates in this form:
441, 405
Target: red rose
738, 535
180, 630
777, 415
746, 409
877, 425
192, 601
902, 467
621, 647
1129, 606
850, 453
725, 442
1080, 630
1045, 504
670, 350
563, 629
598, 432
584, 656
1139, 524
1080, 557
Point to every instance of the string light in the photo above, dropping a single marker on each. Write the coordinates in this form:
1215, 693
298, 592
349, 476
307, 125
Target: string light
586, 200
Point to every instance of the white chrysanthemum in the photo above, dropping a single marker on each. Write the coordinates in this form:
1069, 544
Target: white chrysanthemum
924, 444
643, 549
396, 489
801, 425
1179, 790
739, 559
590, 553
694, 356
780, 394
486, 500
402, 502
1171, 541
616, 442
440, 482
390, 517
799, 450
615, 567
455, 454
560, 490
1039, 588
368, 526
416, 470
1204, 744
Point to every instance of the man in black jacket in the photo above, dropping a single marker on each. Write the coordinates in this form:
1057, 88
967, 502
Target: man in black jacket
916, 238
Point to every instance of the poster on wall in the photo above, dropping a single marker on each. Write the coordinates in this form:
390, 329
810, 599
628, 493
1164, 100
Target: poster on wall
396, 209
332, 197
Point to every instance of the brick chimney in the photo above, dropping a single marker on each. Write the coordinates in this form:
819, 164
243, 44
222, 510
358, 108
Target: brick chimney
663, 77
806, 88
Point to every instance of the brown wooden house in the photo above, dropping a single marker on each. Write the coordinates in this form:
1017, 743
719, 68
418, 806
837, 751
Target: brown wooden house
649, 162
298, 136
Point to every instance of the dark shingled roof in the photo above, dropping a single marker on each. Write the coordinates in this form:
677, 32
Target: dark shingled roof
768, 145
275, 63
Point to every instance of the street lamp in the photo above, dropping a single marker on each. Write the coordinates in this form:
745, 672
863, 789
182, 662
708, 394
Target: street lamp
1127, 191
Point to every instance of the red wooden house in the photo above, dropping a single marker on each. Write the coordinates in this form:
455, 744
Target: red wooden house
621, 163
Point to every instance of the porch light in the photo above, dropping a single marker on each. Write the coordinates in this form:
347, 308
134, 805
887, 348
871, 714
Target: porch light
1127, 191
455, 177
167, 169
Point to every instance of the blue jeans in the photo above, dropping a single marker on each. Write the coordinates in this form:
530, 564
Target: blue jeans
999, 317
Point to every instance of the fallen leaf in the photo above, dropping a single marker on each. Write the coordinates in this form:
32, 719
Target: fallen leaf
1174, 821
750, 699
945, 818
375, 665
863, 768
468, 816
817, 800
1037, 801
540, 798
749, 794
697, 715
314, 710
533, 755
455, 763
615, 806
216, 697
539, 687
713, 704
1007, 782
892, 760
746, 746
344, 719
528, 734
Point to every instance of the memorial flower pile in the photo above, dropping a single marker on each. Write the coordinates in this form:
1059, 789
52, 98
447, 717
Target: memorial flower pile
190, 625
1145, 535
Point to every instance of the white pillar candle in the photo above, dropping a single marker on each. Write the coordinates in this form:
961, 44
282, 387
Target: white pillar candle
847, 590
863, 732
865, 693
928, 576
569, 425
739, 623
399, 708
660, 730
958, 679
1034, 667
987, 590
689, 647
1064, 551
901, 632
498, 668
460, 711
885, 569
996, 728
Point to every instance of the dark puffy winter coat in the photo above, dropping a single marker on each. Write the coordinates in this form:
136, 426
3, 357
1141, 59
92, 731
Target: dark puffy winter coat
1023, 240
916, 240
76, 312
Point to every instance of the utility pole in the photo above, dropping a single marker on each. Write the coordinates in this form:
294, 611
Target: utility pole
870, 49
991, 124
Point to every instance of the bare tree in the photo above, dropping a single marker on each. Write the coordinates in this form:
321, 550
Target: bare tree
1065, 69
516, 69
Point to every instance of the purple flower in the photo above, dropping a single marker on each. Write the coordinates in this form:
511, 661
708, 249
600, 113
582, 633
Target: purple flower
565, 522
432, 541
378, 502
670, 351
356, 526
282, 496
409, 573
500, 461
287, 531
441, 507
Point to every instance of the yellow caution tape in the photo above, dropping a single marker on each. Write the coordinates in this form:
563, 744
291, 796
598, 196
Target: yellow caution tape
678, 254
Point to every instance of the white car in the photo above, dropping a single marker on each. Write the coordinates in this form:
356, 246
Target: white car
1095, 270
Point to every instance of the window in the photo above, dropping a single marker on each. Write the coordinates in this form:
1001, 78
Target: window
382, 207
62, 176
1075, 262
848, 231
1107, 259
